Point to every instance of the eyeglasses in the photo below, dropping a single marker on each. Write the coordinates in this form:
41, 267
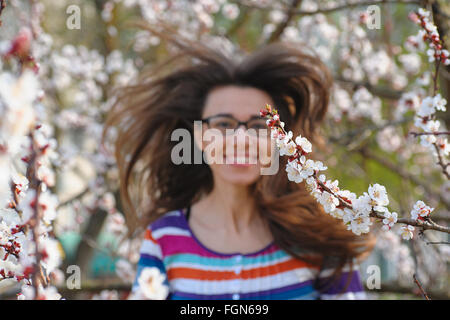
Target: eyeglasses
227, 124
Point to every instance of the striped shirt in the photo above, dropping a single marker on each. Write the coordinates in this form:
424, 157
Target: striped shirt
195, 272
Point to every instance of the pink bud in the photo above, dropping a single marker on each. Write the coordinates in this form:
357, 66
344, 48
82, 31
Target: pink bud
20, 46
413, 17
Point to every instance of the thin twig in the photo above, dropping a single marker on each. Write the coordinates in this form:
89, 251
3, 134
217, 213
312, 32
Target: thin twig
2, 7
436, 74
328, 10
349, 135
240, 21
429, 133
380, 91
343, 202
77, 197
424, 225
355, 5
36, 185
420, 287
398, 169
436, 242
441, 162
282, 26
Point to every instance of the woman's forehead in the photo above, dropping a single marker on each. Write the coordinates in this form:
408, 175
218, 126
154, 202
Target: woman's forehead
239, 101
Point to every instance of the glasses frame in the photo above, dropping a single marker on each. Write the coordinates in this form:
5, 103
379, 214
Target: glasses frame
227, 115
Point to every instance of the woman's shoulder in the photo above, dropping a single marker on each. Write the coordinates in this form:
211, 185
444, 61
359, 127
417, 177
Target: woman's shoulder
172, 223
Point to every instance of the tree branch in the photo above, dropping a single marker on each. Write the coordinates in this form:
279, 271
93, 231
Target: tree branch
240, 21
441, 162
380, 91
420, 287
280, 28
329, 10
429, 133
404, 174
2, 7
348, 136
77, 197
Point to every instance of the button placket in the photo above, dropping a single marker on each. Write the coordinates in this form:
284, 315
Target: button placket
238, 266
237, 270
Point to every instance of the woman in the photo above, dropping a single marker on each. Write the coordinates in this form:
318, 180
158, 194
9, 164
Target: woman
221, 229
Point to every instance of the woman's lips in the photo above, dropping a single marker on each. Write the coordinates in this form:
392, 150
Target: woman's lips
241, 161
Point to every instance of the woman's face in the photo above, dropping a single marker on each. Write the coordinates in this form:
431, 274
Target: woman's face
236, 157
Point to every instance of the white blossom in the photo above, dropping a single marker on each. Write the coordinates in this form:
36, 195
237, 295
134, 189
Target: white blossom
407, 232
230, 11
328, 201
427, 140
363, 204
439, 102
390, 218
304, 144
420, 209
427, 107
443, 145
151, 284
360, 224
293, 171
379, 197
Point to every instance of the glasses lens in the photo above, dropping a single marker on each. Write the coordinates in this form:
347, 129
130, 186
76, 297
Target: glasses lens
258, 126
223, 124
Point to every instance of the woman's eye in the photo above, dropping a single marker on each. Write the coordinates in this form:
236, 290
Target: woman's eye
223, 124
258, 126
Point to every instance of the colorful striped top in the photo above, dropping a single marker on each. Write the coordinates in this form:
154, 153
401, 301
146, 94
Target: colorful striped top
195, 272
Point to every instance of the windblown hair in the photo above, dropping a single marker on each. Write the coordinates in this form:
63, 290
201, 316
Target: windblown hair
172, 95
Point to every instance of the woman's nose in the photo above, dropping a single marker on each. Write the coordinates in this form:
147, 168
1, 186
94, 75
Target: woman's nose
239, 135
241, 129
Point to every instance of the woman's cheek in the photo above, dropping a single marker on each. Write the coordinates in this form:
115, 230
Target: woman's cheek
213, 151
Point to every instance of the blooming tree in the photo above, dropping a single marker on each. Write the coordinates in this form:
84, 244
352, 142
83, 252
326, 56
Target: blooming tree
387, 121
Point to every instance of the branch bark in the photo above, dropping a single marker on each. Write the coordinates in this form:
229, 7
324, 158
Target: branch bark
2, 7
333, 9
401, 289
404, 174
289, 16
420, 287
380, 91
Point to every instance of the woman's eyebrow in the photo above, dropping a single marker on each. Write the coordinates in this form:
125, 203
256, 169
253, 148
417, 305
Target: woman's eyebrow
255, 116
221, 114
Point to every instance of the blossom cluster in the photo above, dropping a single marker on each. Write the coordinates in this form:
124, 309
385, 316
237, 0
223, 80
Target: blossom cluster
421, 211
430, 34
417, 100
26, 139
425, 120
355, 212
28, 207
75, 78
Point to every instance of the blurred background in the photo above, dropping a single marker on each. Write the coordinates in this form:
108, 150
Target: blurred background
86, 49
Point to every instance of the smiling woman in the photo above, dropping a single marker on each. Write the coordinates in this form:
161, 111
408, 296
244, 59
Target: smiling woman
224, 231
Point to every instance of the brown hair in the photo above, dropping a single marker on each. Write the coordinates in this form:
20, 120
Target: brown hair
147, 112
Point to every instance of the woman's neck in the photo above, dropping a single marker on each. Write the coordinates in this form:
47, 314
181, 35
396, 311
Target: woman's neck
233, 207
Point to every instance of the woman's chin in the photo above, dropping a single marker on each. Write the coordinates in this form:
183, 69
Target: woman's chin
240, 174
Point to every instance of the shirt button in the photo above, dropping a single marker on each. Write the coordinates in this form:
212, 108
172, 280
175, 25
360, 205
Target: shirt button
237, 269
236, 296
